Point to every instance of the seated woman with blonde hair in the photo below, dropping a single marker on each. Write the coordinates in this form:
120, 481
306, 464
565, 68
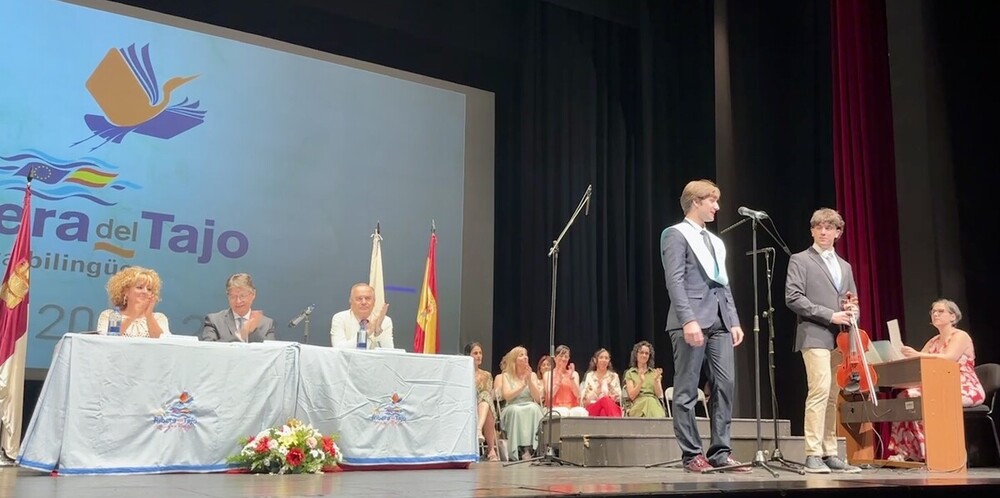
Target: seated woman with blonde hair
642, 383
522, 391
135, 291
906, 439
565, 385
601, 387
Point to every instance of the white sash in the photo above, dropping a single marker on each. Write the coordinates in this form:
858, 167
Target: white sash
697, 244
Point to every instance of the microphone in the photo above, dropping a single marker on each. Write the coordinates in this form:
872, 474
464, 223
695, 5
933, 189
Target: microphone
750, 213
306, 312
586, 209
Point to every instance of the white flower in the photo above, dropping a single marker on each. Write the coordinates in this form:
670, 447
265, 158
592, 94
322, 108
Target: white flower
272, 444
311, 442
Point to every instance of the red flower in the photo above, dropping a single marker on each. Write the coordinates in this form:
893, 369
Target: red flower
294, 457
250, 439
262, 444
328, 446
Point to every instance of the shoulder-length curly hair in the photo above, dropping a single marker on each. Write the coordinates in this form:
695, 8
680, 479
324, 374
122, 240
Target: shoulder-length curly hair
635, 352
128, 277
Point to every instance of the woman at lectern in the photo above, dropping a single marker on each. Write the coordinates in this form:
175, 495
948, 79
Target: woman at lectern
906, 439
565, 393
642, 383
486, 416
601, 388
522, 391
134, 292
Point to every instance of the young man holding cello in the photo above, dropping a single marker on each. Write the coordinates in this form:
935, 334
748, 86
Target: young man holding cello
818, 289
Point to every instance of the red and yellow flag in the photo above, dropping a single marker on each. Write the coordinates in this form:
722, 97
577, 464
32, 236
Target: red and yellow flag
14, 333
425, 338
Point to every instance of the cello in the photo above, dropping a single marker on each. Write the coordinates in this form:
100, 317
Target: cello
854, 374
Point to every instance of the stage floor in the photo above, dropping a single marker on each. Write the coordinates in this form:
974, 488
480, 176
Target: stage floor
496, 480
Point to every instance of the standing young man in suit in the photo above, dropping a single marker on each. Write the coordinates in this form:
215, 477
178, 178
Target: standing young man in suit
816, 290
703, 326
238, 323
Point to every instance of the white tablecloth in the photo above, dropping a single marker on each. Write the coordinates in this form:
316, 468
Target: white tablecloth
115, 405
391, 409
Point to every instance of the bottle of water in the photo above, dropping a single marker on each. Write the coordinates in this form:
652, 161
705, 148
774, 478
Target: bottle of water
115, 322
363, 335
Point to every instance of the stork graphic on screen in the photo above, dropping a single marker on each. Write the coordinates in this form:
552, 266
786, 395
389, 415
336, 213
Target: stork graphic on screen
124, 85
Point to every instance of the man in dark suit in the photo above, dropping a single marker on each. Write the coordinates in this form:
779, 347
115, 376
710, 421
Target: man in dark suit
816, 289
238, 323
703, 326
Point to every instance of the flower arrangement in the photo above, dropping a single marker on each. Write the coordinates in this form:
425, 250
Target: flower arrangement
295, 448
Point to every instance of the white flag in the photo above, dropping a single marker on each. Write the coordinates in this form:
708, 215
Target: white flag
375, 275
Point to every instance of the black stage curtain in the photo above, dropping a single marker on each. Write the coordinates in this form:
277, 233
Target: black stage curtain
628, 110
966, 40
779, 68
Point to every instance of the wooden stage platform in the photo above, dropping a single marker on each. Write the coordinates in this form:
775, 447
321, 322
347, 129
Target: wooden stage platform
497, 480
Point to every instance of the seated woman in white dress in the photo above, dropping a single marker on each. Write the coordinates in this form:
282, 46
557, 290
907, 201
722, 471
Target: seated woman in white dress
565, 385
135, 291
522, 392
601, 388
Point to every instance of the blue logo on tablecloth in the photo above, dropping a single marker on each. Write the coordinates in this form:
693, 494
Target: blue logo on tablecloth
176, 414
389, 413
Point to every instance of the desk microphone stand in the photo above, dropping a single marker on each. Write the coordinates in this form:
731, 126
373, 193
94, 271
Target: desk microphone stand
549, 458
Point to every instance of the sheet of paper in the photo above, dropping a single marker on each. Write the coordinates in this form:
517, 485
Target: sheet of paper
895, 339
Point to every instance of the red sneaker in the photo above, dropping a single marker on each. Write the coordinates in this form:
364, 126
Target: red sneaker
697, 464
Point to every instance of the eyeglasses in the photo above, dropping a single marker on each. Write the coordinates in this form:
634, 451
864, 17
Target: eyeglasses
938, 312
243, 296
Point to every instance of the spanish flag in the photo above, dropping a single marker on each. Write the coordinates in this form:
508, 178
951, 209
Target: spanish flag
14, 333
425, 338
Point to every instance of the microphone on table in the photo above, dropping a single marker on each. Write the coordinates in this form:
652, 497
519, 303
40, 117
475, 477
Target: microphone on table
306, 312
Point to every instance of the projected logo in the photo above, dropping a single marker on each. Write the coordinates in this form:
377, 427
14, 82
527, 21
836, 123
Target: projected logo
124, 85
389, 412
85, 178
176, 414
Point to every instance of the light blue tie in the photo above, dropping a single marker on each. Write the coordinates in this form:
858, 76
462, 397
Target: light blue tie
239, 327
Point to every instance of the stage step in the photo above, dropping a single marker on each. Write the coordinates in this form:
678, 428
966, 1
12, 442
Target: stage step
637, 442
664, 426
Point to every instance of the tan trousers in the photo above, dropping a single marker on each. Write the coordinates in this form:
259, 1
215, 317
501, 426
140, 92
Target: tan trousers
821, 401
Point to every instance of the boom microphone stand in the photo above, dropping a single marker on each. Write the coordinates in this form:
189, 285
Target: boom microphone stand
549, 458
758, 458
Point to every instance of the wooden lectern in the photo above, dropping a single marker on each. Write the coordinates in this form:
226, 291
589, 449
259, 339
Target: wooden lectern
939, 407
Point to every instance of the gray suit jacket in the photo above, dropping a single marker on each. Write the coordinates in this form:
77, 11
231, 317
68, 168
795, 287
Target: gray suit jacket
221, 326
811, 295
693, 295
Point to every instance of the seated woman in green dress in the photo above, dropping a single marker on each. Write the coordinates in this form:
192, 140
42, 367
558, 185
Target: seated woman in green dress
522, 391
642, 383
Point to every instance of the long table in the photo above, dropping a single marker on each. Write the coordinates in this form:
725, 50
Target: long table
116, 405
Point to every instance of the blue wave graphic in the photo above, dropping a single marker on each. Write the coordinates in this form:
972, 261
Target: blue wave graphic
55, 162
50, 190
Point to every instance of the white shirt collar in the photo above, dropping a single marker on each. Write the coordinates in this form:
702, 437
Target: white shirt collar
246, 317
695, 224
825, 254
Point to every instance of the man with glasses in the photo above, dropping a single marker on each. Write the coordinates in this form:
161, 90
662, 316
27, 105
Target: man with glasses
238, 323
377, 327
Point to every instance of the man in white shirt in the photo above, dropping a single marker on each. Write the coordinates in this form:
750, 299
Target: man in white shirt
345, 325
238, 323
